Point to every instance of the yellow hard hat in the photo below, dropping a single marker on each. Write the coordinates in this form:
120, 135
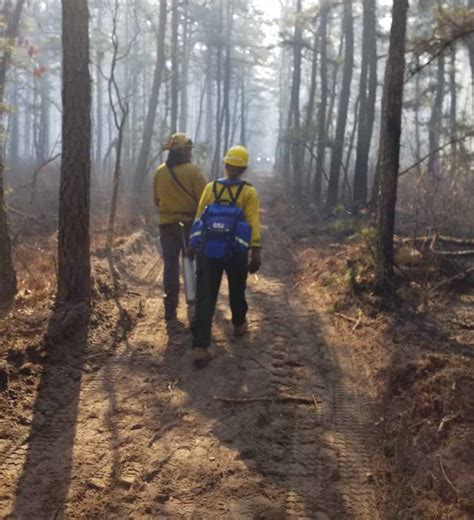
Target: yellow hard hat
237, 156
178, 141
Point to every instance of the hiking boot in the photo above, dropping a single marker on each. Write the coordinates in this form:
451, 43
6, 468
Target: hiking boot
240, 330
201, 356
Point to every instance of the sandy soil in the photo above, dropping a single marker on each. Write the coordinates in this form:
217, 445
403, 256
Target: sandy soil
110, 419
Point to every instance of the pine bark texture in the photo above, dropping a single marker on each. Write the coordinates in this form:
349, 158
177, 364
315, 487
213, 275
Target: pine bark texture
8, 282
74, 268
389, 147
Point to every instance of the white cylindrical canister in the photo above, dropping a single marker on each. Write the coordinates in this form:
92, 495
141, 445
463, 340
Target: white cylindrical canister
189, 274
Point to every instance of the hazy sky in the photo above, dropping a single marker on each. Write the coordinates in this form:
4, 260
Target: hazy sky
270, 7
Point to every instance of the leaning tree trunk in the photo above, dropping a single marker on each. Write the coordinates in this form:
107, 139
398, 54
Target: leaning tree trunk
367, 96
74, 267
389, 146
141, 169
8, 284
336, 159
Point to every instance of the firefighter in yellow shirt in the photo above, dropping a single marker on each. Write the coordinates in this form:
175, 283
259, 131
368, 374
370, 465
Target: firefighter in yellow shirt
177, 189
235, 192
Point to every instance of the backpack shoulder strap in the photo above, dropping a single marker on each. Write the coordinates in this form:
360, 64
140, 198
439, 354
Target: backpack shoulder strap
235, 198
180, 184
218, 194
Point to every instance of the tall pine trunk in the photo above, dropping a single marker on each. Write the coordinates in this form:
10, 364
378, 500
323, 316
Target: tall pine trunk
141, 169
338, 149
174, 66
434, 126
8, 283
322, 138
389, 146
74, 267
367, 97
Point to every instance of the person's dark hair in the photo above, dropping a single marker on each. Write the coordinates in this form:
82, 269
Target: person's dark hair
176, 157
235, 170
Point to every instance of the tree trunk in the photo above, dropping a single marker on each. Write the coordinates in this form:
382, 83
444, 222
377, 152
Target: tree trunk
174, 66
218, 135
417, 124
367, 97
389, 146
454, 104
309, 121
99, 113
294, 118
8, 283
14, 137
243, 115
322, 138
435, 122
141, 170
74, 268
470, 46
187, 49
44, 121
228, 72
209, 109
338, 149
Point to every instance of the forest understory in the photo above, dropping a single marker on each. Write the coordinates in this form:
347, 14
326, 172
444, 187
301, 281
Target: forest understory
332, 407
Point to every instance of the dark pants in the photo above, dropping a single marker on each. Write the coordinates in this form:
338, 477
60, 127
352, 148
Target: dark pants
171, 237
209, 277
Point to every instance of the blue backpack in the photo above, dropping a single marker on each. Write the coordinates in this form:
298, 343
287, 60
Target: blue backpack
222, 230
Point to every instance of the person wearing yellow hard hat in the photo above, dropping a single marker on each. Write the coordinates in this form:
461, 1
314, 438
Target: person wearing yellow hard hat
177, 189
225, 238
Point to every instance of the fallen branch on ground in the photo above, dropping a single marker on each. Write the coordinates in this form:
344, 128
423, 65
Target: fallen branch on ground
456, 254
276, 399
439, 149
27, 216
456, 278
440, 238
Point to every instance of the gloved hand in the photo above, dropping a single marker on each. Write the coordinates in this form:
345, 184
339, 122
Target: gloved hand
255, 260
191, 252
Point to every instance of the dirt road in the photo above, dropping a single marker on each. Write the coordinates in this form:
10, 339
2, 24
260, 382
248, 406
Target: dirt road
127, 428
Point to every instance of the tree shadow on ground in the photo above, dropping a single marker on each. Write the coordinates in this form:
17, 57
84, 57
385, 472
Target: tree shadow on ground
45, 478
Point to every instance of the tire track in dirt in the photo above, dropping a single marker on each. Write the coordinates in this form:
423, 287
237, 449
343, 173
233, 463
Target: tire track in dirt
151, 441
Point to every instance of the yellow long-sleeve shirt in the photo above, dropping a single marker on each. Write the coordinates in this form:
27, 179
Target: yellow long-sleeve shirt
174, 203
248, 201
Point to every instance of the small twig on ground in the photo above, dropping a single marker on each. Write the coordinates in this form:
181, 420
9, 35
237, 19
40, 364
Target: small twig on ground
276, 399
356, 326
356, 321
443, 471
